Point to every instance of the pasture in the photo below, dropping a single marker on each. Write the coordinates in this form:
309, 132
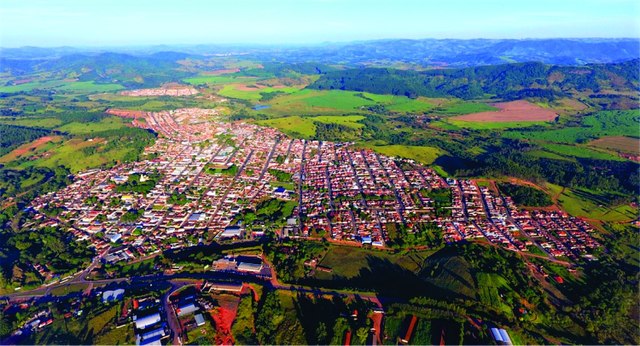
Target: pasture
460, 107
43, 122
109, 123
310, 102
591, 205
424, 155
581, 152
484, 125
595, 125
62, 85
514, 111
306, 126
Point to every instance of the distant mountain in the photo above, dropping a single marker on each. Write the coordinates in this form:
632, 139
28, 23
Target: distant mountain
463, 53
425, 52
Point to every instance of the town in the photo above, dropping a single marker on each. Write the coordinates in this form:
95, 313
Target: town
203, 176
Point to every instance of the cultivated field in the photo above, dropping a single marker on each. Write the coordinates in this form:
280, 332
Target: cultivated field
619, 143
514, 111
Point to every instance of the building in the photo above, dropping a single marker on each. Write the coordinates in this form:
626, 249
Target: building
249, 267
147, 321
112, 295
199, 320
225, 287
186, 309
231, 232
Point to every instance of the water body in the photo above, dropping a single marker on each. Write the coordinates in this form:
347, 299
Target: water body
259, 107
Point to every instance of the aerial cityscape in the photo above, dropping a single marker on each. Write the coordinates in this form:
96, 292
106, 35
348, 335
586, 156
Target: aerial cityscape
360, 184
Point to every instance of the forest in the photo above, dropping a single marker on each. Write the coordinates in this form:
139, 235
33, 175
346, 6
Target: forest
507, 81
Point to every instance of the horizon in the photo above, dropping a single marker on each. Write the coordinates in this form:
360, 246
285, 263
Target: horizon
144, 23
308, 44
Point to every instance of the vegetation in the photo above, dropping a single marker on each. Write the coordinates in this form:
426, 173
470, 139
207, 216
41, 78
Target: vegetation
525, 195
508, 81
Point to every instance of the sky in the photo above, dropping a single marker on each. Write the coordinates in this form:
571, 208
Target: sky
84, 23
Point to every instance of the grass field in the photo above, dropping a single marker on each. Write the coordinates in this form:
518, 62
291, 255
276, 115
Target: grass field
619, 143
596, 125
44, 122
85, 87
349, 262
239, 91
310, 102
217, 80
580, 151
305, 126
459, 108
425, 155
293, 125
488, 285
475, 125
591, 205
109, 123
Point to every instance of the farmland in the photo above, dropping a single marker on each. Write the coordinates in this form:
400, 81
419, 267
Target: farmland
619, 143
593, 126
515, 111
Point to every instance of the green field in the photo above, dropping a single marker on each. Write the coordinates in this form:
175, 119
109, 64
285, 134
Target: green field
308, 101
109, 123
488, 285
459, 108
44, 122
349, 262
592, 205
580, 151
305, 126
255, 95
425, 155
476, 125
217, 80
293, 125
84, 87
596, 125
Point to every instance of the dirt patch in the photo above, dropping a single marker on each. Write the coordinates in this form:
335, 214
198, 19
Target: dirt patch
26, 148
513, 111
618, 143
221, 72
223, 317
125, 113
248, 87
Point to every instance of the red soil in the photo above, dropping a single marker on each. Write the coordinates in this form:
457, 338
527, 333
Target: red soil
511, 111
223, 317
125, 113
23, 149
223, 71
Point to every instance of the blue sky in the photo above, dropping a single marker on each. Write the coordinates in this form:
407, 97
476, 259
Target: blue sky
142, 22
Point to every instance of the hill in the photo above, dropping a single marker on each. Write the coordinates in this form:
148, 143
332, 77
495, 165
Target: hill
507, 81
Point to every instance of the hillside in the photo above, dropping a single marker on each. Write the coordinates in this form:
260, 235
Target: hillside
507, 81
